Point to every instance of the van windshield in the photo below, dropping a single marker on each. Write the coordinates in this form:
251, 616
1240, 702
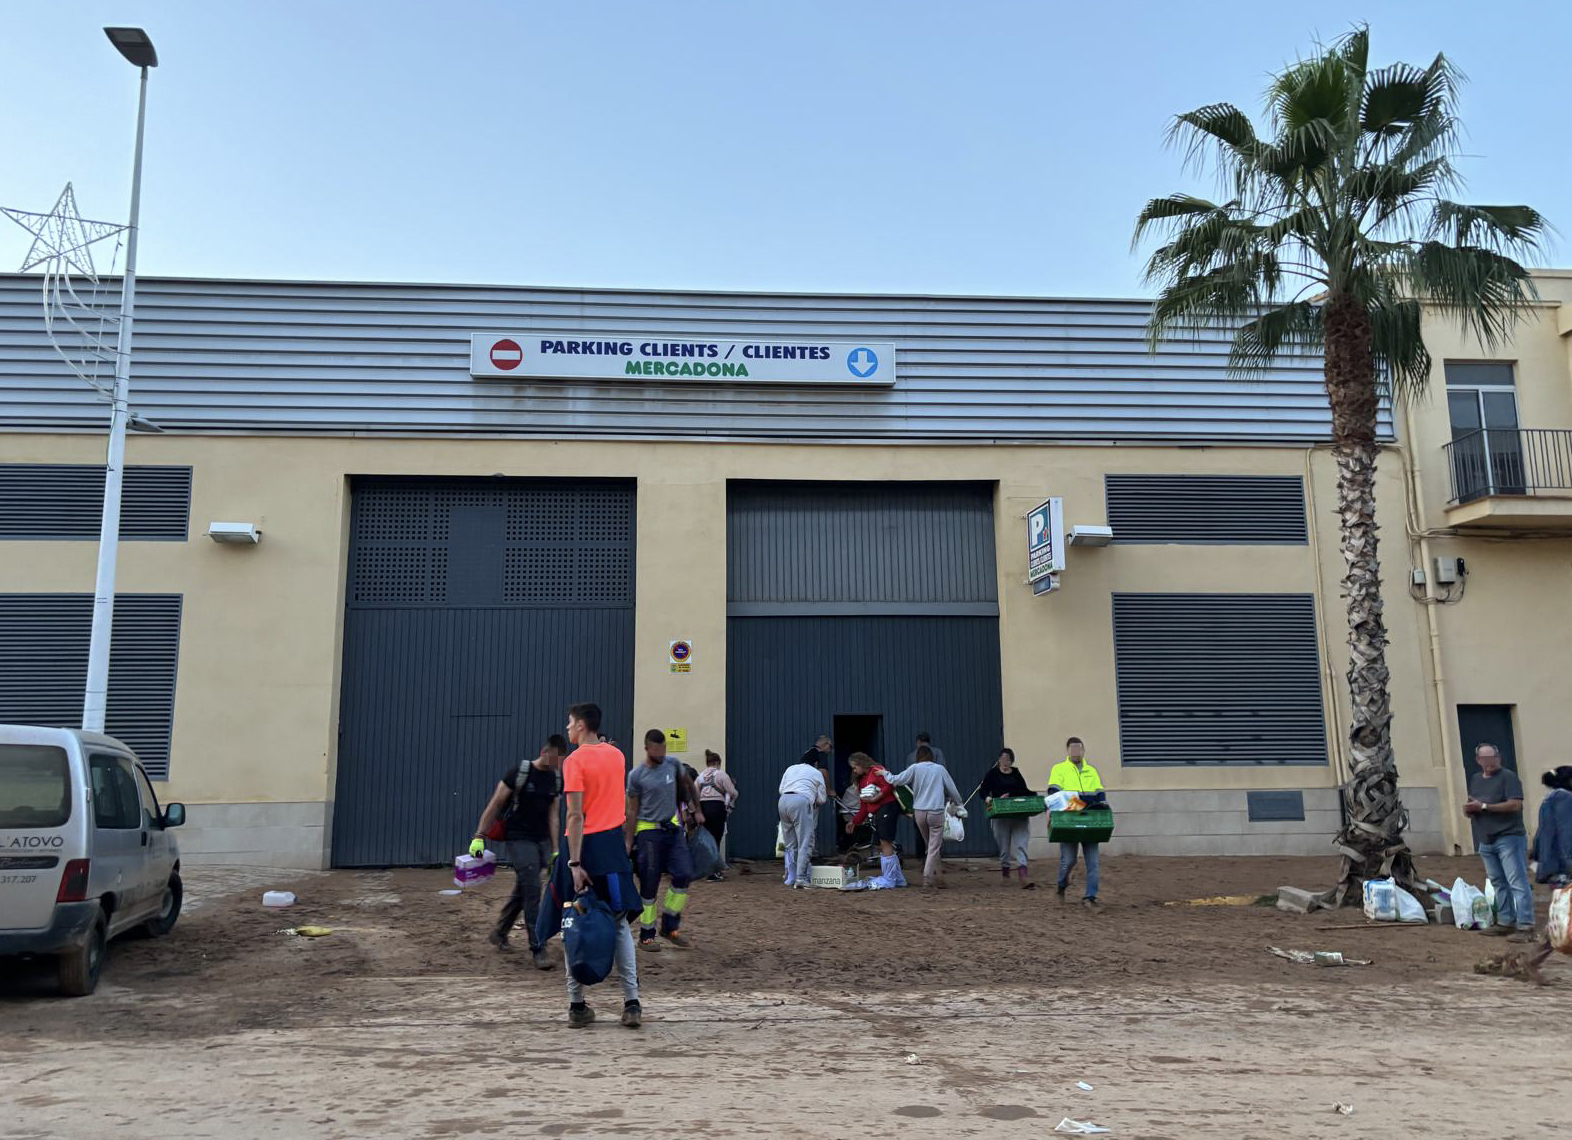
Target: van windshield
35, 786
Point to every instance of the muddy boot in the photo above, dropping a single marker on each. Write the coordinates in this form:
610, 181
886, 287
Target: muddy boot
580, 1017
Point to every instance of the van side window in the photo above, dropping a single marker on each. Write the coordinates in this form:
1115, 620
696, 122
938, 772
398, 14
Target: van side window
152, 814
115, 801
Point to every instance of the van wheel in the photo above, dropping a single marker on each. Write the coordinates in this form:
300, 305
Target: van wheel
168, 909
80, 967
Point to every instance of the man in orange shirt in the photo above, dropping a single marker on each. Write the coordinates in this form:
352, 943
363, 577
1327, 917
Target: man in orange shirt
592, 782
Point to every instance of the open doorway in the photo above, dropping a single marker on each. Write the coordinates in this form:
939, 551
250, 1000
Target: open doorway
856, 732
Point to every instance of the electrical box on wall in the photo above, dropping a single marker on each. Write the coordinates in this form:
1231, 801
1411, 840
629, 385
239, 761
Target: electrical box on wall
1449, 571
1419, 577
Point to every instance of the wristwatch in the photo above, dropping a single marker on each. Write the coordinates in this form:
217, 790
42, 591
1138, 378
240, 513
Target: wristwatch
574, 863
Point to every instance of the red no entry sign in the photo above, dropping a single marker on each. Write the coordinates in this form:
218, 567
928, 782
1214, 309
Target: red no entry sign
506, 355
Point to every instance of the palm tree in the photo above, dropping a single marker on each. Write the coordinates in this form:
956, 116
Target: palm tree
1335, 231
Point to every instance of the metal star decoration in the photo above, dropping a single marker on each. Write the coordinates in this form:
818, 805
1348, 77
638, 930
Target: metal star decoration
62, 236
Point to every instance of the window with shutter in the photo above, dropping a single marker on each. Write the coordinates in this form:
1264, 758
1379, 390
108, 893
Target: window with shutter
1218, 679
43, 666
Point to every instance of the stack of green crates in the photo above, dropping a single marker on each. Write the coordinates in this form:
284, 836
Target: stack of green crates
1017, 805
1094, 825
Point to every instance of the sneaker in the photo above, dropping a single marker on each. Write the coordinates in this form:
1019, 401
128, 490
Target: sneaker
1498, 931
498, 939
1090, 904
678, 939
799, 886
717, 877
1524, 934
632, 1015
580, 1018
541, 959
647, 942
1059, 890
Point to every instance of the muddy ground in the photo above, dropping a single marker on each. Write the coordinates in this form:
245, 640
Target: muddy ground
795, 1014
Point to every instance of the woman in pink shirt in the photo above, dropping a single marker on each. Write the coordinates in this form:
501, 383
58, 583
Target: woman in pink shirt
717, 796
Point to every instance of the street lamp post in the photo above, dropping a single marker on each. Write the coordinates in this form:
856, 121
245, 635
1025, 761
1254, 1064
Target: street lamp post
137, 47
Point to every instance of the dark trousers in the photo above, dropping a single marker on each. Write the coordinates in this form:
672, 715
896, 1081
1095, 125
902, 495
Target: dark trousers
715, 819
529, 858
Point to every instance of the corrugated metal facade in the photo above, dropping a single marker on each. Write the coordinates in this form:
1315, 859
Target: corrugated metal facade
291, 356
876, 600
470, 606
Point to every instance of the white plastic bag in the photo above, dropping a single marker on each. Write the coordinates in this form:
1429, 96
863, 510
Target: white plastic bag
1409, 909
1381, 900
1057, 801
1466, 902
780, 840
954, 829
1490, 902
1559, 926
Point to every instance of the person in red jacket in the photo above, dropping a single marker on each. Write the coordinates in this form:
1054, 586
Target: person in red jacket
877, 803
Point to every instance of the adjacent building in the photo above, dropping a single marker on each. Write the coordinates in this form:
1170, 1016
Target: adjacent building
750, 518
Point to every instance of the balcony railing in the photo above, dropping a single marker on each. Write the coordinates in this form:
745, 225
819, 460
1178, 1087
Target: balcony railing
1510, 461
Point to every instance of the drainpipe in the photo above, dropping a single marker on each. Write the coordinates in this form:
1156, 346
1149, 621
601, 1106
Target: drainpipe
1414, 488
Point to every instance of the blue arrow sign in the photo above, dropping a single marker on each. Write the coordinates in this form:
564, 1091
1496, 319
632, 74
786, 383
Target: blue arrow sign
863, 362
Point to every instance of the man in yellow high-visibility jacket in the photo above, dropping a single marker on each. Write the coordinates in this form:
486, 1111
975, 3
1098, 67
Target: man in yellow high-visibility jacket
1075, 774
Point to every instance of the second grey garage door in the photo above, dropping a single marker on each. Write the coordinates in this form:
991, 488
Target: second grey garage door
869, 611
476, 611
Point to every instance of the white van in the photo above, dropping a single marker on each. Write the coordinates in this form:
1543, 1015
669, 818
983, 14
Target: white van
85, 849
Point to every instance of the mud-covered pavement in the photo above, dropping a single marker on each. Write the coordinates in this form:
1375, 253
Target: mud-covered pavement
795, 1014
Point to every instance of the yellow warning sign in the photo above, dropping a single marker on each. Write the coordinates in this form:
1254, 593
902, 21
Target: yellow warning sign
676, 740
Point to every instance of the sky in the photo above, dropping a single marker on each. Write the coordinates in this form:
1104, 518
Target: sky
982, 147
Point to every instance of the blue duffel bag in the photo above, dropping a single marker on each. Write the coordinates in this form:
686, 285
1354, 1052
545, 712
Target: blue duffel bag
589, 938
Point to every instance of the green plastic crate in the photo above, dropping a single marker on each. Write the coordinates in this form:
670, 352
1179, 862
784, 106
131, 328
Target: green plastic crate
903, 796
1017, 805
1094, 825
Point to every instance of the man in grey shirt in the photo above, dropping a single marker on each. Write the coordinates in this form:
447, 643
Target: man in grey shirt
655, 838
925, 740
1495, 810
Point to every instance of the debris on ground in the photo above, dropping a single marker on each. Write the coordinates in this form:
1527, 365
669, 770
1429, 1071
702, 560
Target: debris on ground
307, 931
1344, 1109
1521, 964
1297, 901
1318, 958
911, 1059
1219, 900
278, 898
1080, 1127
1083, 1086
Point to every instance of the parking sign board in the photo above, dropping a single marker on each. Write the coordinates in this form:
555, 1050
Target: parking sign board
1045, 540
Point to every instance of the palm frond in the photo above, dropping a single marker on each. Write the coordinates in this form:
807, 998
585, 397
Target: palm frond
1506, 229
1397, 343
1487, 291
1259, 341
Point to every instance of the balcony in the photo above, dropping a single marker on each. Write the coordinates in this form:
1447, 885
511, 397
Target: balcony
1511, 477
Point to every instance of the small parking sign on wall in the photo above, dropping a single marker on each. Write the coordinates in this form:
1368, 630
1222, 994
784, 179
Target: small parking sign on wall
1045, 540
680, 656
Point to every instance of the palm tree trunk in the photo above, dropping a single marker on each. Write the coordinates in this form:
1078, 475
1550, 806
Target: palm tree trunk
1371, 840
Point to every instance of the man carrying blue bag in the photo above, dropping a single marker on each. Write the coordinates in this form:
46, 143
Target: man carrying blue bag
593, 878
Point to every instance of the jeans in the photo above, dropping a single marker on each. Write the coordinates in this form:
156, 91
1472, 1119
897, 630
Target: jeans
1010, 833
627, 967
930, 829
528, 857
799, 820
1506, 863
1067, 864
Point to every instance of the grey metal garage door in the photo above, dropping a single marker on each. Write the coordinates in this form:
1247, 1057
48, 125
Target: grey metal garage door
476, 611
868, 611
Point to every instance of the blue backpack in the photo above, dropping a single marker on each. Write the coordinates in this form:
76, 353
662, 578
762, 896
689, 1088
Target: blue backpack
589, 938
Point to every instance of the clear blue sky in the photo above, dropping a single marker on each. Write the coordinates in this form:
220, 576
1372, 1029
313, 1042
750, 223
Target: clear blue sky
903, 145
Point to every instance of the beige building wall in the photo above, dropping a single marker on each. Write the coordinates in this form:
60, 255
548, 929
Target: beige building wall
1509, 640
256, 709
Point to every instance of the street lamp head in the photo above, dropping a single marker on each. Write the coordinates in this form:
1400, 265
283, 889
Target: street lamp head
134, 44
